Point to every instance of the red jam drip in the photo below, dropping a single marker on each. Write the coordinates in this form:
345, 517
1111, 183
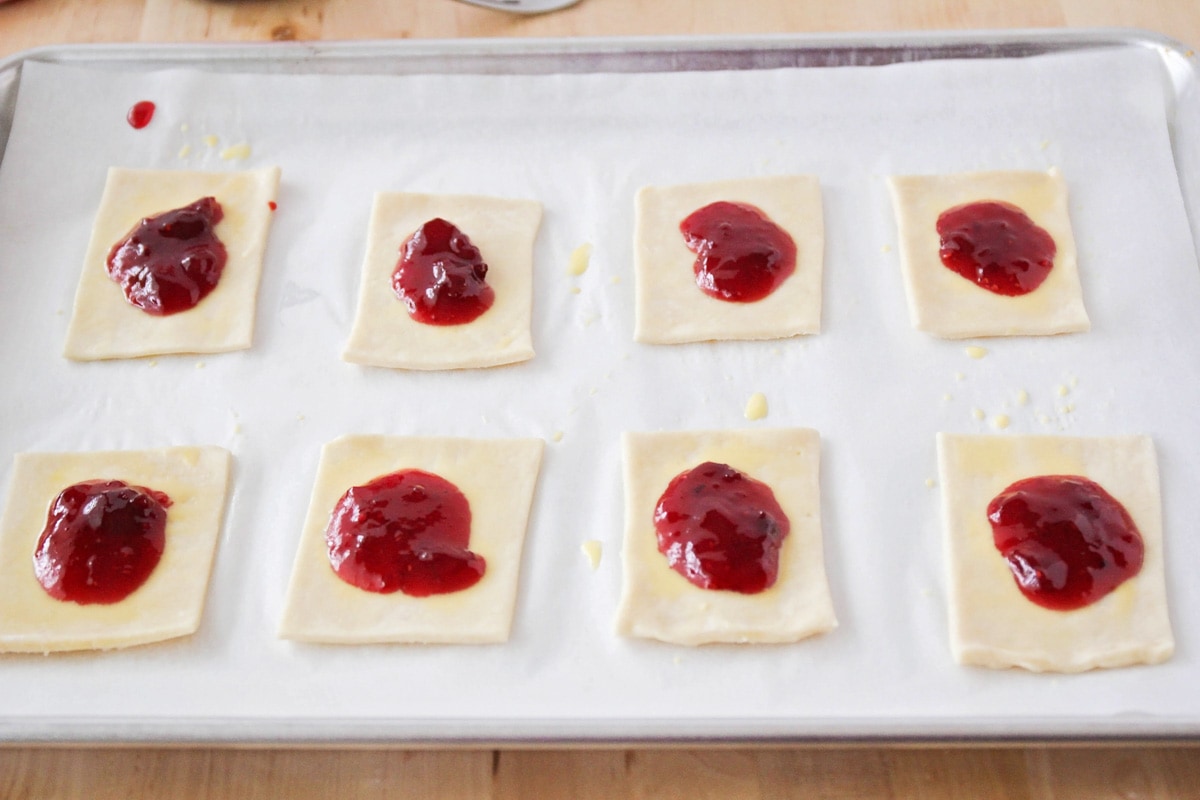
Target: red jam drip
101, 541
407, 531
271, 204
721, 529
1067, 541
741, 255
996, 246
441, 277
140, 114
170, 262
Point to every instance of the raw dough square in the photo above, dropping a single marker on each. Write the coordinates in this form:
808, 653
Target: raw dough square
384, 335
498, 477
659, 603
672, 309
991, 623
942, 302
104, 325
169, 604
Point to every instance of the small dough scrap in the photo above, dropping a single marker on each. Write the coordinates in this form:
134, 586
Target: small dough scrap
945, 304
384, 335
105, 325
671, 308
498, 477
168, 605
659, 603
992, 624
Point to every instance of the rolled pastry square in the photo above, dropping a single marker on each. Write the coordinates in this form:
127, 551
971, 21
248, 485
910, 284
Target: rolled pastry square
384, 335
105, 325
168, 605
672, 309
992, 624
498, 477
943, 303
659, 603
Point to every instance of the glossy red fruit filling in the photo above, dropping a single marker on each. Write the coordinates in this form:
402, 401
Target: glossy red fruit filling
170, 262
441, 277
741, 255
721, 529
101, 541
1067, 541
407, 531
997, 246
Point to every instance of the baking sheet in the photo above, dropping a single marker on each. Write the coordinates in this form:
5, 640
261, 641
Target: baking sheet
583, 144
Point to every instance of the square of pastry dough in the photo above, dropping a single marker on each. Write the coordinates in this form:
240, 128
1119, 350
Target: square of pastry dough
672, 309
168, 605
945, 304
105, 325
992, 624
659, 603
498, 478
384, 335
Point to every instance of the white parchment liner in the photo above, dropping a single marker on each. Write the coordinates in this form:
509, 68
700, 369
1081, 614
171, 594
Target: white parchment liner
583, 145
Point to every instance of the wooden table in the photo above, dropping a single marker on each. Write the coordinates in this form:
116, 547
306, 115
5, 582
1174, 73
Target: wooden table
1127, 771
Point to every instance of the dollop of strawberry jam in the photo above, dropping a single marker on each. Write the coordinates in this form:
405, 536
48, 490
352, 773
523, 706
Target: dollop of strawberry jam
441, 277
101, 541
721, 529
407, 531
741, 255
170, 262
1067, 541
996, 246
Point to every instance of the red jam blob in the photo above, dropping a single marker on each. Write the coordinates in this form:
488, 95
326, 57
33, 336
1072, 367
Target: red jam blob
407, 531
1067, 541
996, 246
721, 529
441, 277
101, 541
741, 255
170, 262
271, 204
140, 114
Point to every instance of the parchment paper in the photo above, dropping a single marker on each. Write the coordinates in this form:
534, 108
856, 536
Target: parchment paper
583, 144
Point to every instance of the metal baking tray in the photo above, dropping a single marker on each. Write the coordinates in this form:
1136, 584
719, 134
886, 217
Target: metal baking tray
496, 57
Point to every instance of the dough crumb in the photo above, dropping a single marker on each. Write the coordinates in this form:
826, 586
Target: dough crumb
183, 127
958, 376
614, 280
1022, 397
185, 151
887, 248
1068, 408
756, 406
200, 365
1044, 419
211, 140
593, 550
1062, 390
1045, 143
930, 482
580, 259
1074, 381
947, 397
558, 436
1000, 421
236, 152
300, 417
576, 290
974, 351
977, 413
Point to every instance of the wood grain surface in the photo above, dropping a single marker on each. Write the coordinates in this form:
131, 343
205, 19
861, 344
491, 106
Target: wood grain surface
1137, 771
